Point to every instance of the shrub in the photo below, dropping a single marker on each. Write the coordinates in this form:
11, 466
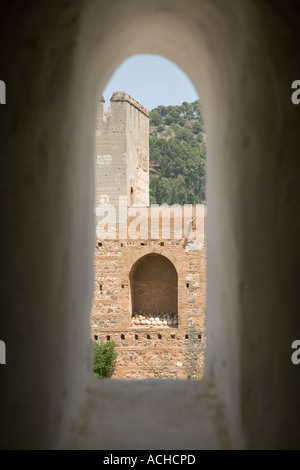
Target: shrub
105, 358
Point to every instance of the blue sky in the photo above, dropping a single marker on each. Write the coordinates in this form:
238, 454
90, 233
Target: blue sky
152, 80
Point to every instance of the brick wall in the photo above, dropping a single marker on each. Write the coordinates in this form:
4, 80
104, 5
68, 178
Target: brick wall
144, 350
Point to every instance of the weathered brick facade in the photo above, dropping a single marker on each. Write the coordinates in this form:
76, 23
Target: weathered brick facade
149, 284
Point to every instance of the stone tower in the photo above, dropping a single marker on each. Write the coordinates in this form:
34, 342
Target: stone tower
122, 152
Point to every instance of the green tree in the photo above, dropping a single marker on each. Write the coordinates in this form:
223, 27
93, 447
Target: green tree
155, 118
105, 358
163, 111
177, 155
175, 113
197, 127
169, 120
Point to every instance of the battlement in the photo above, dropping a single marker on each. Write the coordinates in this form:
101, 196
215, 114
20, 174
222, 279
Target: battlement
114, 108
121, 96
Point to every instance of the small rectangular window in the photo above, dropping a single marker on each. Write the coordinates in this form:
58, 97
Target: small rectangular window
131, 193
107, 338
96, 337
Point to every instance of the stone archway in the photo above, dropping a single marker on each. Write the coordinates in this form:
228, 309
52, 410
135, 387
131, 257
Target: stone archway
154, 285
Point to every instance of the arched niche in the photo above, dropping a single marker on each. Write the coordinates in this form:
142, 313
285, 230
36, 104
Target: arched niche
154, 285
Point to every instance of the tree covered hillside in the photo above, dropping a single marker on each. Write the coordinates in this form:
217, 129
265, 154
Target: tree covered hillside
177, 154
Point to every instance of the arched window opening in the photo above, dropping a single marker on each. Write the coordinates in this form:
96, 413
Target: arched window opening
149, 205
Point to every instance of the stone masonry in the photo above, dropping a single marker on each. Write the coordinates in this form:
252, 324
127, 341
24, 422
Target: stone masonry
150, 266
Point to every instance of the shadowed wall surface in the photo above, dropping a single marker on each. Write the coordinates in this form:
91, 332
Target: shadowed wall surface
154, 285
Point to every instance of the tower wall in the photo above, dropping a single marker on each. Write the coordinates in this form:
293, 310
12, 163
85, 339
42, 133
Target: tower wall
122, 151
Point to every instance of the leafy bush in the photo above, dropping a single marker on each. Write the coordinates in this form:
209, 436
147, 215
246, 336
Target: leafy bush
105, 358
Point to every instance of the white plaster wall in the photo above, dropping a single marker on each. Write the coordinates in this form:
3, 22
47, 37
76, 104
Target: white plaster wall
46, 211
242, 58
